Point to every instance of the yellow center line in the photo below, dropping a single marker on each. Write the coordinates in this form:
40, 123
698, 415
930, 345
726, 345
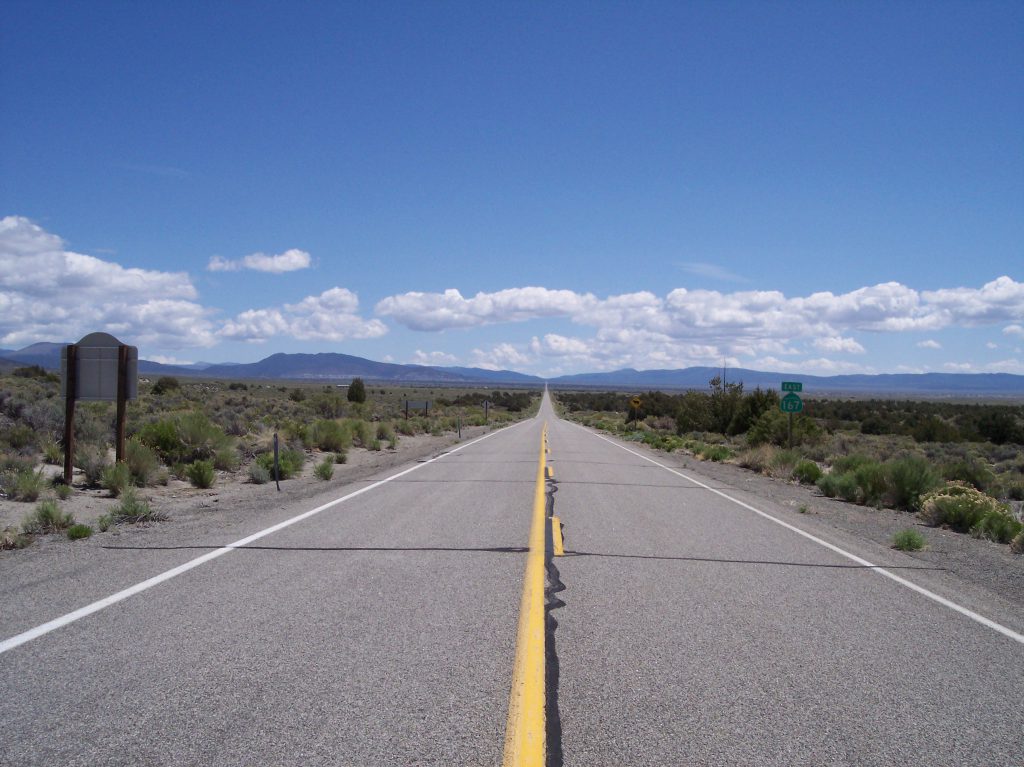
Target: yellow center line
525, 744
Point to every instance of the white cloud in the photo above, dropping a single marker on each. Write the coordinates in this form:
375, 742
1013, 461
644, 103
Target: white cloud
289, 261
500, 357
744, 323
931, 343
1014, 330
991, 345
50, 293
330, 316
165, 360
433, 358
960, 367
836, 344
441, 311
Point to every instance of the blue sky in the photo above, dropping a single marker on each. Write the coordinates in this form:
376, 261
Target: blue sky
549, 187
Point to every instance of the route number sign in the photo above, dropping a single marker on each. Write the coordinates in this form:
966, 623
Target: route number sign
792, 386
791, 403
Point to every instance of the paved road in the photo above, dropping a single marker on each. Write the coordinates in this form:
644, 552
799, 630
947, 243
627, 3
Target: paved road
381, 632
695, 631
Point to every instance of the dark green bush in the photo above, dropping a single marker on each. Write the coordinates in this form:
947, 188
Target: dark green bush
166, 384
971, 471
807, 472
289, 462
77, 532
200, 474
908, 540
357, 390
872, 483
998, 526
141, 461
325, 469
911, 477
26, 485
131, 509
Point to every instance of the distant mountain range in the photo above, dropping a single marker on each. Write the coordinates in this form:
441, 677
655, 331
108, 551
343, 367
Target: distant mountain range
329, 366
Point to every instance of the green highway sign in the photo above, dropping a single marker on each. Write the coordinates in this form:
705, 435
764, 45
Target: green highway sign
792, 386
791, 403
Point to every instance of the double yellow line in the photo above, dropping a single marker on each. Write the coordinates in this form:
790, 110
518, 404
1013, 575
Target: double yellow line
525, 737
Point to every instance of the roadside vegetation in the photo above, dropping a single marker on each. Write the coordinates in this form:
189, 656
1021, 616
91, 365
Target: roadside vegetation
955, 465
202, 431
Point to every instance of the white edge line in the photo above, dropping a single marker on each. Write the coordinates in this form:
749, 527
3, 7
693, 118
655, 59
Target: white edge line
1005, 631
64, 620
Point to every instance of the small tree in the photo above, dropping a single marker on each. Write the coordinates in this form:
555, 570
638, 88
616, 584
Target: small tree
357, 390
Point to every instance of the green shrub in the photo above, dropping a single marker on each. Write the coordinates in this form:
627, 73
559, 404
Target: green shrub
200, 474
47, 518
910, 478
997, 525
849, 463
1015, 491
141, 461
20, 436
185, 438
77, 532
362, 432
908, 540
715, 453
325, 469
783, 462
972, 472
806, 472
357, 390
872, 483
226, 458
289, 462
63, 491
93, 461
959, 506
385, 432
1017, 544
259, 474
375, 444
131, 509
842, 486
166, 384
329, 436
53, 453
116, 478
341, 456
27, 485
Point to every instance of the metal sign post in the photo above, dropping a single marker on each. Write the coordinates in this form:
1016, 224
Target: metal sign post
791, 403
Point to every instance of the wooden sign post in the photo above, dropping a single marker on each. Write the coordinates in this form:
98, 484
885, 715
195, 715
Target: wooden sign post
98, 368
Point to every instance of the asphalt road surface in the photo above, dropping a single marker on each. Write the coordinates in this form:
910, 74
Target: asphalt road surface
381, 631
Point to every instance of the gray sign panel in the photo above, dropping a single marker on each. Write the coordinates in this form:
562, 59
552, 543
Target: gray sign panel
97, 369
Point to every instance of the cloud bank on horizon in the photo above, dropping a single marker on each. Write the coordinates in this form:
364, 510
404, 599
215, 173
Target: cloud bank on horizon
50, 293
